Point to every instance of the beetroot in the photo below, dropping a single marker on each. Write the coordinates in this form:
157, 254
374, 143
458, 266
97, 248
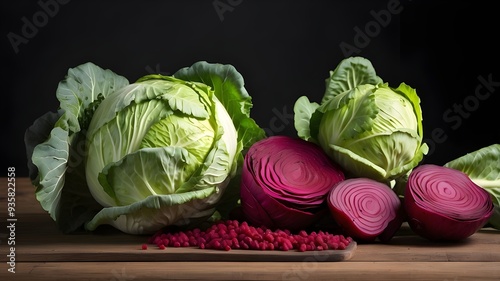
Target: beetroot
285, 181
445, 204
366, 209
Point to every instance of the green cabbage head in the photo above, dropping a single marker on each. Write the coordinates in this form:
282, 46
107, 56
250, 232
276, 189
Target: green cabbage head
369, 128
161, 151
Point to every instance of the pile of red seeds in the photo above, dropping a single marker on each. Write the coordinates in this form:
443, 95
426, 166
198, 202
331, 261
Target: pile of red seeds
231, 234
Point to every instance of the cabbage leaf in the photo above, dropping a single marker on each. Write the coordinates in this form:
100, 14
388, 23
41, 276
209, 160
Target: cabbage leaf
55, 146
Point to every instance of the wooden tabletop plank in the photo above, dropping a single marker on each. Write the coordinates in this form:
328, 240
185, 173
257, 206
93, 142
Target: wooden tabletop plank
346, 271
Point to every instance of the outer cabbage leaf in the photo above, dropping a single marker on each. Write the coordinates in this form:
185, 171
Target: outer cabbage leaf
56, 155
83, 86
160, 210
483, 168
303, 113
349, 114
38, 133
411, 95
350, 73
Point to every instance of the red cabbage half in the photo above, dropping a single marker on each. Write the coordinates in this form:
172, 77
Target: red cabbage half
285, 182
366, 209
445, 204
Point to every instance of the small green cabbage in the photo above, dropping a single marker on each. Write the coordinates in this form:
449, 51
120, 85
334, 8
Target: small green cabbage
161, 151
369, 128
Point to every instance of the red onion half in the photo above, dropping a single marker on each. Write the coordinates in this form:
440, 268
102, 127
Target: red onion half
445, 204
366, 209
285, 182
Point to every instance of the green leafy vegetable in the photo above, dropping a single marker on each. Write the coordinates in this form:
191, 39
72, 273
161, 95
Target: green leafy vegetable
369, 128
141, 156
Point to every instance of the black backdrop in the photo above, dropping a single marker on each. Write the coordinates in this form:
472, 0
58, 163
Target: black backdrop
283, 49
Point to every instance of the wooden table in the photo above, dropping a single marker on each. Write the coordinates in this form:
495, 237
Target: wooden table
43, 253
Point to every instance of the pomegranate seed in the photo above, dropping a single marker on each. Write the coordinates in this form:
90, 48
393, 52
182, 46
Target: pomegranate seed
244, 246
269, 237
232, 234
302, 248
216, 244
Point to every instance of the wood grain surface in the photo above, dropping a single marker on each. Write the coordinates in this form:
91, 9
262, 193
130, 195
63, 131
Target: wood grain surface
44, 253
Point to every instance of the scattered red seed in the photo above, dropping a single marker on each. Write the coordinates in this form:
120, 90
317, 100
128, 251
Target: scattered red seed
144, 246
232, 234
302, 248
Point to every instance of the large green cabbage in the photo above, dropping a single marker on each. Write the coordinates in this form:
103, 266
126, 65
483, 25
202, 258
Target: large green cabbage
369, 128
161, 151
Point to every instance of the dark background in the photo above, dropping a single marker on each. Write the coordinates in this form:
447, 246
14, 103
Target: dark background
283, 49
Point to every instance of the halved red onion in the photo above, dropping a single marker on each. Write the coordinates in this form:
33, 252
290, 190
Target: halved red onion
445, 204
366, 209
285, 181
